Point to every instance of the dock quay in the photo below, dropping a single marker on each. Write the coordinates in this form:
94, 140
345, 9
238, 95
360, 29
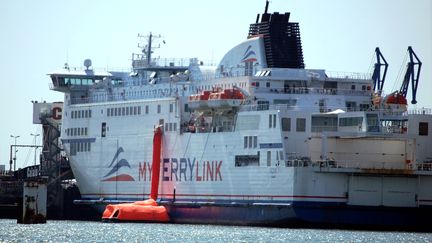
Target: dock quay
53, 169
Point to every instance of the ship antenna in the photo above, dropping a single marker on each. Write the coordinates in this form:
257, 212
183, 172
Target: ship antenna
149, 51
266, 7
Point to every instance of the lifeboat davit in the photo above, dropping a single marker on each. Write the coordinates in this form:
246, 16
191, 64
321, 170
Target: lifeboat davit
142, 211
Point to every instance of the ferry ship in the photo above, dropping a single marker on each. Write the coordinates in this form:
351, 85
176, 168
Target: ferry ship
257, 139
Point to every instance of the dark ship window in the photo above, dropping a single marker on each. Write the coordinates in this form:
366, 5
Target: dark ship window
423, 128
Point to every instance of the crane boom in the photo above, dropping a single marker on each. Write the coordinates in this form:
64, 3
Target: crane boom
411, 76
376, 76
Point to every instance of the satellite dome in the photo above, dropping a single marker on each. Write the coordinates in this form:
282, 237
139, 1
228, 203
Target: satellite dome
87, 63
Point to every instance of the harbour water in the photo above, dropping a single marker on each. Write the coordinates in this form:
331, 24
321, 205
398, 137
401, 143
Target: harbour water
86, 231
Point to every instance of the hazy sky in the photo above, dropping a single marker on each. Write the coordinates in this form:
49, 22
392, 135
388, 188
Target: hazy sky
37, 37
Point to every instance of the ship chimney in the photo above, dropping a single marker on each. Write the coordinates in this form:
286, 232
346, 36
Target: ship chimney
282, 40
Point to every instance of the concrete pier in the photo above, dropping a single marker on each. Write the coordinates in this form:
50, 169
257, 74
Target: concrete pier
34, 202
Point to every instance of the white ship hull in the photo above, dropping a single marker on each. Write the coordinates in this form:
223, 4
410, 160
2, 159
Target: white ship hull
270, 143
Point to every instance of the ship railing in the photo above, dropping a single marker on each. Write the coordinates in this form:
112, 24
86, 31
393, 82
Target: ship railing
348, 75
421, 111
99, 98
355, 164
139, 61
206, 128
262, 107
323, 91
298, 162
161, 62
418, 111
425, 166
104, 69
405, 168
320, 129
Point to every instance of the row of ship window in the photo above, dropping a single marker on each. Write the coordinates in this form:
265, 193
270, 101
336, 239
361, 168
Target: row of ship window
77, 131
135, 110
166, 90
120, 111
300, 124
79, 147
81, 114
125, 111
286, 123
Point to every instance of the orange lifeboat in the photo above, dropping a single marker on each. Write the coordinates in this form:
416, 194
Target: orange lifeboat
199, 100
226, 98
395, 102
143, 211
216, 98
396, 98
148, 210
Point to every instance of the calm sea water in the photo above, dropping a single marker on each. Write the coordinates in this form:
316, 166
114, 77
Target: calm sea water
79, 231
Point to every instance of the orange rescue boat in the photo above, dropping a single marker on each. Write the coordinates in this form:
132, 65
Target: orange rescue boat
148, 210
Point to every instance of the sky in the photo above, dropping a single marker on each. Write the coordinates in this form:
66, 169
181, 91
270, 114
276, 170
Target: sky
37, 37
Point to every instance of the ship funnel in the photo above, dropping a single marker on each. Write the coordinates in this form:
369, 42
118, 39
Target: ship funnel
282, 42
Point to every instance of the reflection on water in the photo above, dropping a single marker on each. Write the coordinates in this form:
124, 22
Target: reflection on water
83, 231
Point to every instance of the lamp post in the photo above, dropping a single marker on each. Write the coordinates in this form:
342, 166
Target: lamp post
35, 147
15, 150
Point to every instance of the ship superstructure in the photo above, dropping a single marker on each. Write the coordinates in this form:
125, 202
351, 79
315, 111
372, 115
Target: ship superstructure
257, 139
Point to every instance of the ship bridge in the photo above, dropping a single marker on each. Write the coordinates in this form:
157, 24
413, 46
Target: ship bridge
66, 79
